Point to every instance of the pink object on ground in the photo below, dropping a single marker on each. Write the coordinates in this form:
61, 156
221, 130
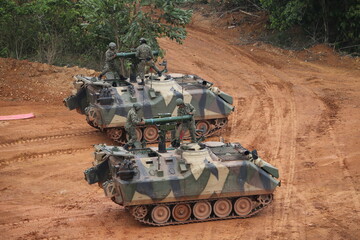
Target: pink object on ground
16, 117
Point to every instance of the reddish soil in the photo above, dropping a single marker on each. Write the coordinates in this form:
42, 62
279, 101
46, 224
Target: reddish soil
300, 110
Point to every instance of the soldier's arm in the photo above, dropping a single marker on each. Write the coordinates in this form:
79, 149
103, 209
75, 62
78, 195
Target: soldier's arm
192, 109
110, 56
135, 119
137, 54
151, 53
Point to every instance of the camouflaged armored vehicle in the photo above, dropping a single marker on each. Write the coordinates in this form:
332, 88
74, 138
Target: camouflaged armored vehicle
193, 183
107, 102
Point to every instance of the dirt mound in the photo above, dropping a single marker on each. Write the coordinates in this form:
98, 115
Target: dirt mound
36, 82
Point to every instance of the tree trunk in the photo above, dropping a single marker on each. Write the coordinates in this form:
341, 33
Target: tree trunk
325, 20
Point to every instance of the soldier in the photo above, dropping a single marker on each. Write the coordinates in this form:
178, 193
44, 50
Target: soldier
145, 56
131, 122
186, 109
110, 65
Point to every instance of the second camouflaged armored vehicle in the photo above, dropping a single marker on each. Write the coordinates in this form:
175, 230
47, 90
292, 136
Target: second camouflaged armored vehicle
107, 102
193, 183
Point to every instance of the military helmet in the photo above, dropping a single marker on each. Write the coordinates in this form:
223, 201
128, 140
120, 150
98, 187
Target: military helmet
179, 101
143, 40
137, 106
112, 45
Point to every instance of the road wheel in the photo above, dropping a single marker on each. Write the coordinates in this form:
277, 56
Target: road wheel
151, 134
222, 207
139, 134
243, 206
202, 125
181, 212
202, 210
160, 214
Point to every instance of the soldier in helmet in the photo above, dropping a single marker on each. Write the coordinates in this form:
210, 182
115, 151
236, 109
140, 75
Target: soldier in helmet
110, 65
131, 122
186, 109
145, 56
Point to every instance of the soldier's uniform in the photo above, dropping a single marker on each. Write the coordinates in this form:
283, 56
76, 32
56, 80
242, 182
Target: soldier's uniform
110, 65
130, 125
186, 109
145, 56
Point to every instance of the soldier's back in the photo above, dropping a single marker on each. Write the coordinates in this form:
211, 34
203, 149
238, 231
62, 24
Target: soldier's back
144, 51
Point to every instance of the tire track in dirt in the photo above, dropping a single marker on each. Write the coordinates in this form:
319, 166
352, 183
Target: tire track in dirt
46, 138
33, 156
282, 125
63, 216
290, 174
330, 117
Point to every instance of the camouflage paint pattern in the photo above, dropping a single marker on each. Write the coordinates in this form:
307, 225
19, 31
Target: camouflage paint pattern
107, 102
190, 172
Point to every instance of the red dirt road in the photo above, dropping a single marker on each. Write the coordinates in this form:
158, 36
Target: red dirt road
299, 110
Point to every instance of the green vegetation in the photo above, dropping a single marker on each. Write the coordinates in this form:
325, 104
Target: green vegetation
320, 21
53, 30
125, 22
328, 21
78, 31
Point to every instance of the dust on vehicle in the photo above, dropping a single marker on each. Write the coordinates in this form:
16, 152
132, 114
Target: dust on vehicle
196, 182
105, 103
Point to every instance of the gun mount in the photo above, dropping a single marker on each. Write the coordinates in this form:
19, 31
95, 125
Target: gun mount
105, 103
132, 54
166, 123
193, 183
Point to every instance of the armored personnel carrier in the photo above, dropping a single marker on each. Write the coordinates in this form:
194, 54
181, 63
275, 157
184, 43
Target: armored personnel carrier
105, 103
196, 182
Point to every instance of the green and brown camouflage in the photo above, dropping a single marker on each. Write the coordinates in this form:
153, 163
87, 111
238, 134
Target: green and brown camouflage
106, 102
209, 174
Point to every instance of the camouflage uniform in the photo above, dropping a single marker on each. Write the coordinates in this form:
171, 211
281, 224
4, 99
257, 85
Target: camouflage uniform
186, 109
145, 56
131, 122
110, 65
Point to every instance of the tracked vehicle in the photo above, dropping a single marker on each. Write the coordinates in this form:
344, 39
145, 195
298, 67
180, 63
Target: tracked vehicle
105, 103
196, 182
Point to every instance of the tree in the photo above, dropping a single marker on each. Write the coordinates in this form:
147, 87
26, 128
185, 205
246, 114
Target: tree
58, 27
42, 27
328, 21
16, 31
126, 21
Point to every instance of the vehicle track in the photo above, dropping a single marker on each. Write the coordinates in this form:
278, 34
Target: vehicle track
33, 156
353, 194
47, 138
290, 173
282, 128
63, 216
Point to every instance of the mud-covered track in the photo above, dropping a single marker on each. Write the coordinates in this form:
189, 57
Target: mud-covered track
210, 219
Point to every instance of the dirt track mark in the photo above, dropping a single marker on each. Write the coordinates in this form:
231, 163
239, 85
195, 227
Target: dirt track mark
329, 116
46, 138
290, 174
65, 216
26, 156
341, 156
281, 123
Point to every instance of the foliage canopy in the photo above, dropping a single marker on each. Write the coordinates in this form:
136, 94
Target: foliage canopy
126, 21
44, 29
